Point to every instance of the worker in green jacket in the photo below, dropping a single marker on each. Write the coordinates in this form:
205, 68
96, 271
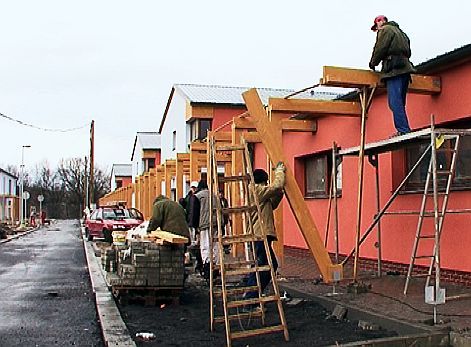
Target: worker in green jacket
392, 48
169, 216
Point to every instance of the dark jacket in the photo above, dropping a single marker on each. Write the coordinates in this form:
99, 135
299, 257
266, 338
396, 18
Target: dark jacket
169, 216
392, 48
192, 208
269, 197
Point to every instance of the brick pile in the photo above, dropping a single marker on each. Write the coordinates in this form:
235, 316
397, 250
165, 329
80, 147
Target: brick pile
146, 264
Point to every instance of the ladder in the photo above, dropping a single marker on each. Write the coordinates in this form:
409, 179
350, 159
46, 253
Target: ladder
240, 322
435, 173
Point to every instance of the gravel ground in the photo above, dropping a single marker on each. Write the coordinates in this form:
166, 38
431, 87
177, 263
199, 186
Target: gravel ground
187, 324
46, 297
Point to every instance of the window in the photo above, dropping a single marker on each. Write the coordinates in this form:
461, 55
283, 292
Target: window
119, 184
199, 129
174, 140
462, 177
150, 163
317, 175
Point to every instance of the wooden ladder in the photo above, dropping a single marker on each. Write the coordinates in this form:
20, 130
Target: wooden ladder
231, 291
436, 172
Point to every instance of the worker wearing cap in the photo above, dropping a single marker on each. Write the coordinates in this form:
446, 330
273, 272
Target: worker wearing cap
392, 48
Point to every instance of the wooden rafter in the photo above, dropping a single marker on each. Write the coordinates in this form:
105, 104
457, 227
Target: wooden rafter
356, 78
293, 193
317, 107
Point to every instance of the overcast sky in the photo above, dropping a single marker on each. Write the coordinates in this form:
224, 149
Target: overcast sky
64, 63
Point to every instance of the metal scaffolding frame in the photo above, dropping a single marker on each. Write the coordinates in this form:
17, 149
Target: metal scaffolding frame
372, 150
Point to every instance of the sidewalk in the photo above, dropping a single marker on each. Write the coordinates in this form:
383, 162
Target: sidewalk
385, 298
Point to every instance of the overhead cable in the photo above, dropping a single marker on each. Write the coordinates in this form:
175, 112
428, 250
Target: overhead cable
41, 128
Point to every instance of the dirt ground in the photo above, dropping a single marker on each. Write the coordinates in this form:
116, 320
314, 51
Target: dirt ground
187, 324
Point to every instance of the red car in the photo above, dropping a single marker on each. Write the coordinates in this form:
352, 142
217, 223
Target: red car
104, 220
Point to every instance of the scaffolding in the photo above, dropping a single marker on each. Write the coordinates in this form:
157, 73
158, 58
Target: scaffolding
433, 138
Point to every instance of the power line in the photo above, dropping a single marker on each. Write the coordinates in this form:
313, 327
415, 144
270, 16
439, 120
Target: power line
41, 128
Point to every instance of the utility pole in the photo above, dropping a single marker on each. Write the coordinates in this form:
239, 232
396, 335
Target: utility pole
91, 185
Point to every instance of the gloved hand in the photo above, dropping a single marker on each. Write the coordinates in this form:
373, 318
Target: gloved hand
280, 166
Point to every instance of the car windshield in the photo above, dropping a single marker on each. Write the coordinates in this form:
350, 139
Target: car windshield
115, 213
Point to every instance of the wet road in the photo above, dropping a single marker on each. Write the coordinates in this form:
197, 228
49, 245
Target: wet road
45, 292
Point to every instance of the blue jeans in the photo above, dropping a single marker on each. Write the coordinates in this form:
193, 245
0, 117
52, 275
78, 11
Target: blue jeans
265, 276
397, 90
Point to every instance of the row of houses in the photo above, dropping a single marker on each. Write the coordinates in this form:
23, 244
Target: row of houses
309, 124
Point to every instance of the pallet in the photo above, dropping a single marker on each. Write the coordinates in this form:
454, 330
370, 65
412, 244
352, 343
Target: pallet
149, 296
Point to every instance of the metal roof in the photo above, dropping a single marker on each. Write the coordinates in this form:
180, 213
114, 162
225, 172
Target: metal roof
147, 140
215, 94
122, 170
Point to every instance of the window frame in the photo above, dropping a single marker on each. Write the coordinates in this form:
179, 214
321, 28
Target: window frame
326, 157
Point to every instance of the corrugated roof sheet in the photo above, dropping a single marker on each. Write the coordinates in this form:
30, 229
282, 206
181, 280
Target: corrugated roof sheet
149, 140
122, 170
214, 94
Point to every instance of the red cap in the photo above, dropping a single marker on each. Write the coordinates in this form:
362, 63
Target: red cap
377, 19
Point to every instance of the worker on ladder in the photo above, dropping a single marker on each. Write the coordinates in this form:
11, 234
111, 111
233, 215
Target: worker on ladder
269, 197
392, 48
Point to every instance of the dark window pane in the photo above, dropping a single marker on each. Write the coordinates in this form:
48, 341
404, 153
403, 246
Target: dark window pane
316, 175
204, 127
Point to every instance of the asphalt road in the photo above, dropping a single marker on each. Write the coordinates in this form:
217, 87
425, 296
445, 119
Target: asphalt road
45, 293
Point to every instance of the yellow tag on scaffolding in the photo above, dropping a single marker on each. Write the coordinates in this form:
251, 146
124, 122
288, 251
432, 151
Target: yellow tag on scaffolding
439, 141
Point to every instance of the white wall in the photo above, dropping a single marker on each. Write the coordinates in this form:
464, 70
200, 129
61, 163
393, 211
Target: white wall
137, 165
4, 184
175, 121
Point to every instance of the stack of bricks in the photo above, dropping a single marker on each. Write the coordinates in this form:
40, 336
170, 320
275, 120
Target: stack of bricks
149, 264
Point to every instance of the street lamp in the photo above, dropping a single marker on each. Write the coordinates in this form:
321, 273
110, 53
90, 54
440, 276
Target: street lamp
22, 168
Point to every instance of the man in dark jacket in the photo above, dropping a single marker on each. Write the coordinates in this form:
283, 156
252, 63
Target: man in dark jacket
392, 48
169, 216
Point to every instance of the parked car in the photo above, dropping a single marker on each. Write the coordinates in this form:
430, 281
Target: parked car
104, 220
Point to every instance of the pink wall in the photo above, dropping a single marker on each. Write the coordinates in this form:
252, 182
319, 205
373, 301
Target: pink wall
158, 155
224, 114
398, 232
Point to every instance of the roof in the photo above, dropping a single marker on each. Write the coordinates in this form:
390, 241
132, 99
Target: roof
8, 174
147, 140
232, 96
122, 170
446, 60
214, 94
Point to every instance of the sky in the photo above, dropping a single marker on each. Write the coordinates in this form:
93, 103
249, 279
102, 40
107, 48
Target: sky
65, 63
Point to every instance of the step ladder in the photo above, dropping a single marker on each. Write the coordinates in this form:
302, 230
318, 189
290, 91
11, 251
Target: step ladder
436, 173
237, 318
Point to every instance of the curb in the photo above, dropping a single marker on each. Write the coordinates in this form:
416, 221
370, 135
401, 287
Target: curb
113, 328
14, 237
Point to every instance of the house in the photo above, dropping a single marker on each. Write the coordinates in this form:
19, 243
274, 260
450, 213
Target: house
8, 197
310, 157
121, 175
146, 152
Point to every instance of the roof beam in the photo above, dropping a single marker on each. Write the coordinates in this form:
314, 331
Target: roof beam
246, 123
355, 78
318, 107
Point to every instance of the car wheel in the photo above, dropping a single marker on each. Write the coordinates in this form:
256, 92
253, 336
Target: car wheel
107, 236
87, 235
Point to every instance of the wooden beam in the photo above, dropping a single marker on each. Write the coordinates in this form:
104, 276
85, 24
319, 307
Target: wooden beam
293, 193
299, 125
251, 137
356, 78
225, 136
318, 107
